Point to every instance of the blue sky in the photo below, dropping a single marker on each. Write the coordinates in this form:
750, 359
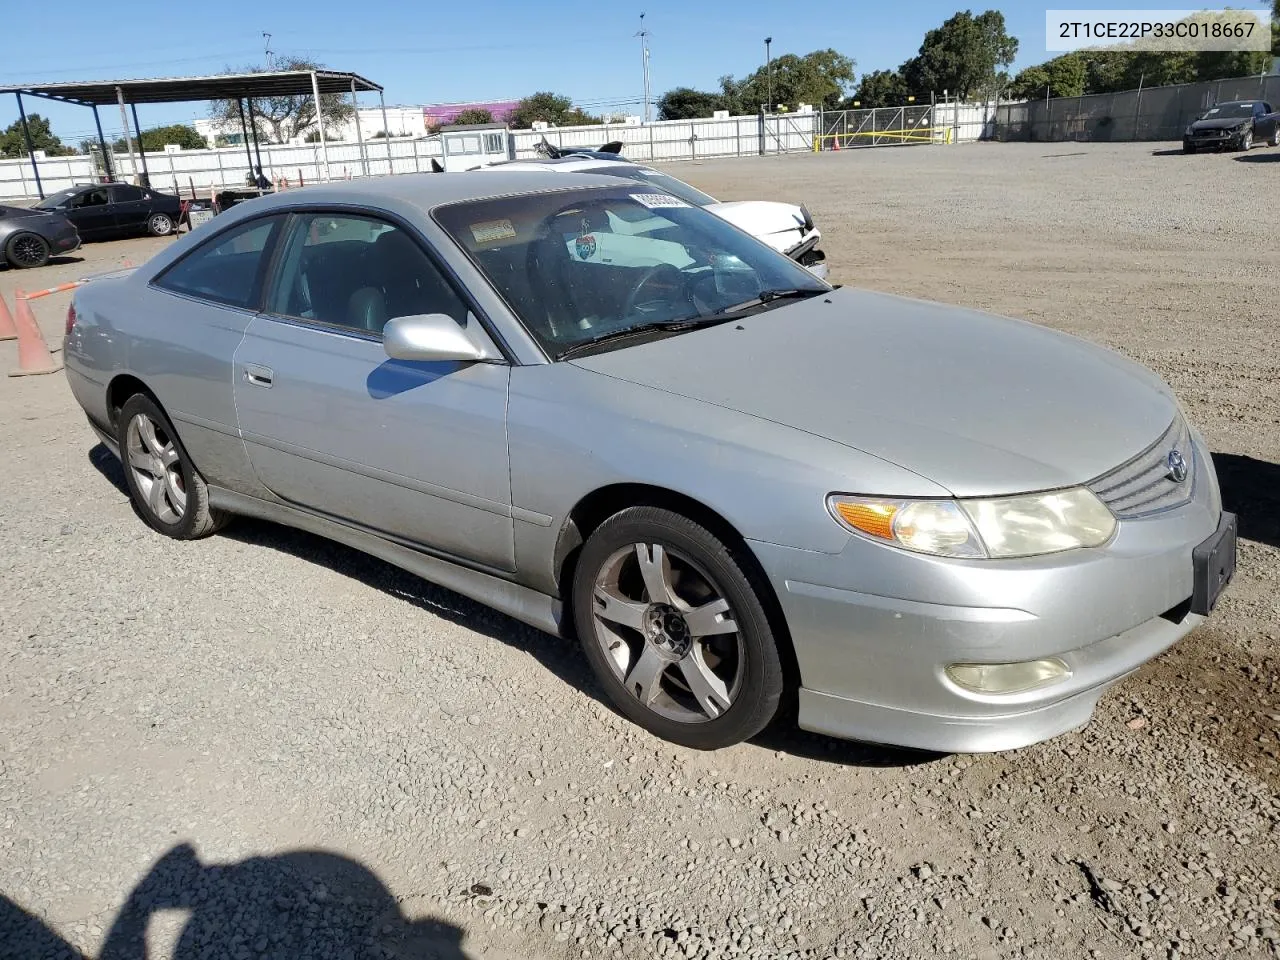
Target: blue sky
441, 52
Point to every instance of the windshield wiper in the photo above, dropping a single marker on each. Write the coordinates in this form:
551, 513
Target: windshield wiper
622, 334
769, 296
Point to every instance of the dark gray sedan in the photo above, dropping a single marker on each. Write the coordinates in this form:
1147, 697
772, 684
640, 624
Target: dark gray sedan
735, 484
1235, 125
28, 238
106, 211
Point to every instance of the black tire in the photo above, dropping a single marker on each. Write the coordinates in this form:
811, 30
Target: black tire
160, 225
27, 250
758, 670
1246, 141
1275, 136
1188, 148
196, 519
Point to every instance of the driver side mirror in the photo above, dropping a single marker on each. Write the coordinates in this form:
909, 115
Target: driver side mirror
432, 337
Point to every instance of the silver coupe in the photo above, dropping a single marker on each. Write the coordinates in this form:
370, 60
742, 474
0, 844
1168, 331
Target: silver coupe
744, 490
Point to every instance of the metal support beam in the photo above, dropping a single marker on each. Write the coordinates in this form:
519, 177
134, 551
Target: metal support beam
128, 137
324, 146
386, 130
253, 132
107, 160
26, 137
244, 133
364, 157
142, 151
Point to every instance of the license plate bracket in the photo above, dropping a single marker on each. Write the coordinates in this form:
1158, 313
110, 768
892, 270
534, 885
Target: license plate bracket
1214, 563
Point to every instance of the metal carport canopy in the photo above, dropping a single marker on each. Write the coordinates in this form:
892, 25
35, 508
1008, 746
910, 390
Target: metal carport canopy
226, 86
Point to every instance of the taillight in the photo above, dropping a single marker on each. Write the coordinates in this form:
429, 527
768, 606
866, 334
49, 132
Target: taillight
71, 319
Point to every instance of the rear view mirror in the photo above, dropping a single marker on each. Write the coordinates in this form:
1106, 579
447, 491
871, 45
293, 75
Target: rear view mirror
431, 336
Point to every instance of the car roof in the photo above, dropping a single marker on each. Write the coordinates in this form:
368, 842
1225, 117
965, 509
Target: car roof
427, 190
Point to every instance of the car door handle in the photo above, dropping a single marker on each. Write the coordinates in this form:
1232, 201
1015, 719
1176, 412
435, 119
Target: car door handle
258, 375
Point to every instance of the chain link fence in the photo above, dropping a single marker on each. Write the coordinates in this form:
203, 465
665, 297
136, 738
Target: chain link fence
1156, 113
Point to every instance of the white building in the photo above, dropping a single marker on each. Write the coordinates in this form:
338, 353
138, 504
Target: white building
403, 121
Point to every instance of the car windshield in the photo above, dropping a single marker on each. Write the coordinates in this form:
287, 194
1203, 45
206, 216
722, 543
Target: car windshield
54, 200
581, 267
1228, 110
664, 182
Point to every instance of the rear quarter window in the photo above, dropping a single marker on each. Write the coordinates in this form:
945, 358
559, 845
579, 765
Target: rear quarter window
227, 269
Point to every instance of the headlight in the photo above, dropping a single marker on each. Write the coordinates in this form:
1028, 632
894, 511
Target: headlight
998, 527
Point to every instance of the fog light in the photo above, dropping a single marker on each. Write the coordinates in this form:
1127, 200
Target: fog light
1008, 677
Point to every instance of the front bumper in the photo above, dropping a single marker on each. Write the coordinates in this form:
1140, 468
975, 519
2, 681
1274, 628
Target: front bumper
1214, 140
874, 629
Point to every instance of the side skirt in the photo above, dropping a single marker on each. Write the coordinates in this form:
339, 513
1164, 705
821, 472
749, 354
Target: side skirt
522, 603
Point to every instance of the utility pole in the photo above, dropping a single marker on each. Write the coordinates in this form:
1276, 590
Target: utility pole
644, 60
768, 59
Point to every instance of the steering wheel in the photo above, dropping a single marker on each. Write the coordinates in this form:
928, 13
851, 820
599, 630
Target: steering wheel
653, 273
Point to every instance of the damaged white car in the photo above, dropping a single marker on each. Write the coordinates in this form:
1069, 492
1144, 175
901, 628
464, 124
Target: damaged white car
786, 227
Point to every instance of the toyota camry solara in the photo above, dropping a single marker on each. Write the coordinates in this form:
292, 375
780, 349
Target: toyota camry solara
739, 487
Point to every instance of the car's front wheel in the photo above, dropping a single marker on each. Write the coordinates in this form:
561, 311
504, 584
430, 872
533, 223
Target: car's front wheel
166, 489
1275, 136
160, 225
25, 250
1187, 147
1246, 140
675, 629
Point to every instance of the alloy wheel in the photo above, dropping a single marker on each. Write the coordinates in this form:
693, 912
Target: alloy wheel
160, 224
668, 633
27, 251
156, 467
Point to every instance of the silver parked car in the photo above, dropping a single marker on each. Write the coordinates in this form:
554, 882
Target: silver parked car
738, 486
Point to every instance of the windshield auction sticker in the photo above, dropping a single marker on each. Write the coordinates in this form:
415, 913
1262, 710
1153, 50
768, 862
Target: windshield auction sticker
655, 200
492, 230
1225, 30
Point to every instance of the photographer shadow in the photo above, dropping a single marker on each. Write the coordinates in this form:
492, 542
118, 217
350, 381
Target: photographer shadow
299, 905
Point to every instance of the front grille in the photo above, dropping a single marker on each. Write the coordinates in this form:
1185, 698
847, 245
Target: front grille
1144, 485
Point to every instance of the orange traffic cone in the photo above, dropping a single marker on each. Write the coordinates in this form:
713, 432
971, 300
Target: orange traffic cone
33, 353
7, 330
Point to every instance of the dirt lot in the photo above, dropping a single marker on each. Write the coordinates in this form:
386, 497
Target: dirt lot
264, 693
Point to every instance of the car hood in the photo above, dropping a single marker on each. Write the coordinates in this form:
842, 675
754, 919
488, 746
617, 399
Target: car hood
1226, 123
761, 217
981, 405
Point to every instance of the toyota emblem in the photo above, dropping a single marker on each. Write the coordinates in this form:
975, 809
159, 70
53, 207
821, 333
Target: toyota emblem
1177, 466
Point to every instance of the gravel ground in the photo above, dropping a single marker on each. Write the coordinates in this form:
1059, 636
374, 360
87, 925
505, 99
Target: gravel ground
264, 744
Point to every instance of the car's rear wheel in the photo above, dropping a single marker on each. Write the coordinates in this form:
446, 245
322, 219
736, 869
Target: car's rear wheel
160, 225
25, 250
166, 489
1275, 136
675, 629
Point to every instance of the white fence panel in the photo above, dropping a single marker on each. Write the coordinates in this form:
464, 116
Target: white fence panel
231, 166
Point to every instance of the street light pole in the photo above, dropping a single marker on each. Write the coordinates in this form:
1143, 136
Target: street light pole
768, 59
644, 60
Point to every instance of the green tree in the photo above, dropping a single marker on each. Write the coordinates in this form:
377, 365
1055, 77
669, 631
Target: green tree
821, 78
685, 103
1062, 76
155, 139
548, 107
286, 117
880, 88
43, 138
474, 115
963, 56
